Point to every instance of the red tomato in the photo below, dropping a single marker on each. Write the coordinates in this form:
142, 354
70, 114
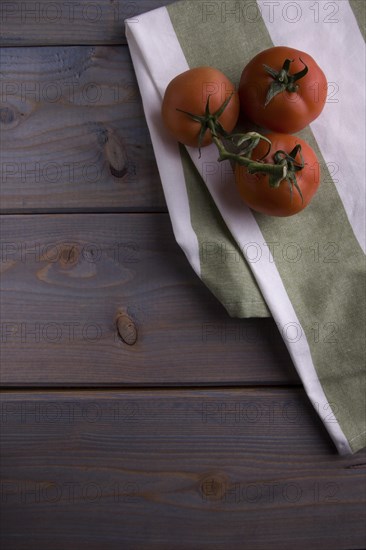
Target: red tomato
288, 111
256, 191
189, 92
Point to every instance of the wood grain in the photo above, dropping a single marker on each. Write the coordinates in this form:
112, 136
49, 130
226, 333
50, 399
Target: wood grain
110, 300
248, 469
74, 135
66, 278
45, 22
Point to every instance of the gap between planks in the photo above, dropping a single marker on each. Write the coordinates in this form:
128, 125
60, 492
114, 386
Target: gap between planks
168, 388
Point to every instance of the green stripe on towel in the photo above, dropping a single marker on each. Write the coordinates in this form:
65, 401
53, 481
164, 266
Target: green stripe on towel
223, 267
359, 10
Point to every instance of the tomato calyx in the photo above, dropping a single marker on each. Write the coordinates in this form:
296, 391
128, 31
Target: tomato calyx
283, 80
288, 160
283, 170
209, 121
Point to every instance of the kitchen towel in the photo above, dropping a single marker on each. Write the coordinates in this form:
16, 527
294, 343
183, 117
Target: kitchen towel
308, 270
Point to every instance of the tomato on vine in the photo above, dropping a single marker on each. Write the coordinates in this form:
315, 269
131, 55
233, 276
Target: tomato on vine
276, 174
282, 89
184, 108
283, 195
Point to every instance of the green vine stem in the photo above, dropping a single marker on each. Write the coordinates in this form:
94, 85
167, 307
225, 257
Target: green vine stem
284, 167
253, 166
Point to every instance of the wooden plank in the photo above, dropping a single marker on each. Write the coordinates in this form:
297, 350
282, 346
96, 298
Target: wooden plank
65, 278
248, 469
74, 135
45, 22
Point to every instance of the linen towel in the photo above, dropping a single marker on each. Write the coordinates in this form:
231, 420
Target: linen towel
307, 271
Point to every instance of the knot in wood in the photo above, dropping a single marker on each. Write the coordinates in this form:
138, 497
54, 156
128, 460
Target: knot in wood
9, 116
116, 154
213, 487
6, 115
127, 329
69, 256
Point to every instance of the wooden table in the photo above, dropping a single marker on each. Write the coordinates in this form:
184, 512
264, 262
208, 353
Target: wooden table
198, 435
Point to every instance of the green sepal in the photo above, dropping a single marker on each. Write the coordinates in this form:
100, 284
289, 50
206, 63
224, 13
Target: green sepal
196, 118
274, 180
283, 80
201, 136
290, 186
274, 89
294, 182
221, 109
270, 71
281, 157
302, 73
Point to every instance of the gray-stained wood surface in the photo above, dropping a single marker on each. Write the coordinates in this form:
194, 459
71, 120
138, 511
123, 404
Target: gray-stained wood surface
135, 413
44, 22
74, 133
80, 272
187, 469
